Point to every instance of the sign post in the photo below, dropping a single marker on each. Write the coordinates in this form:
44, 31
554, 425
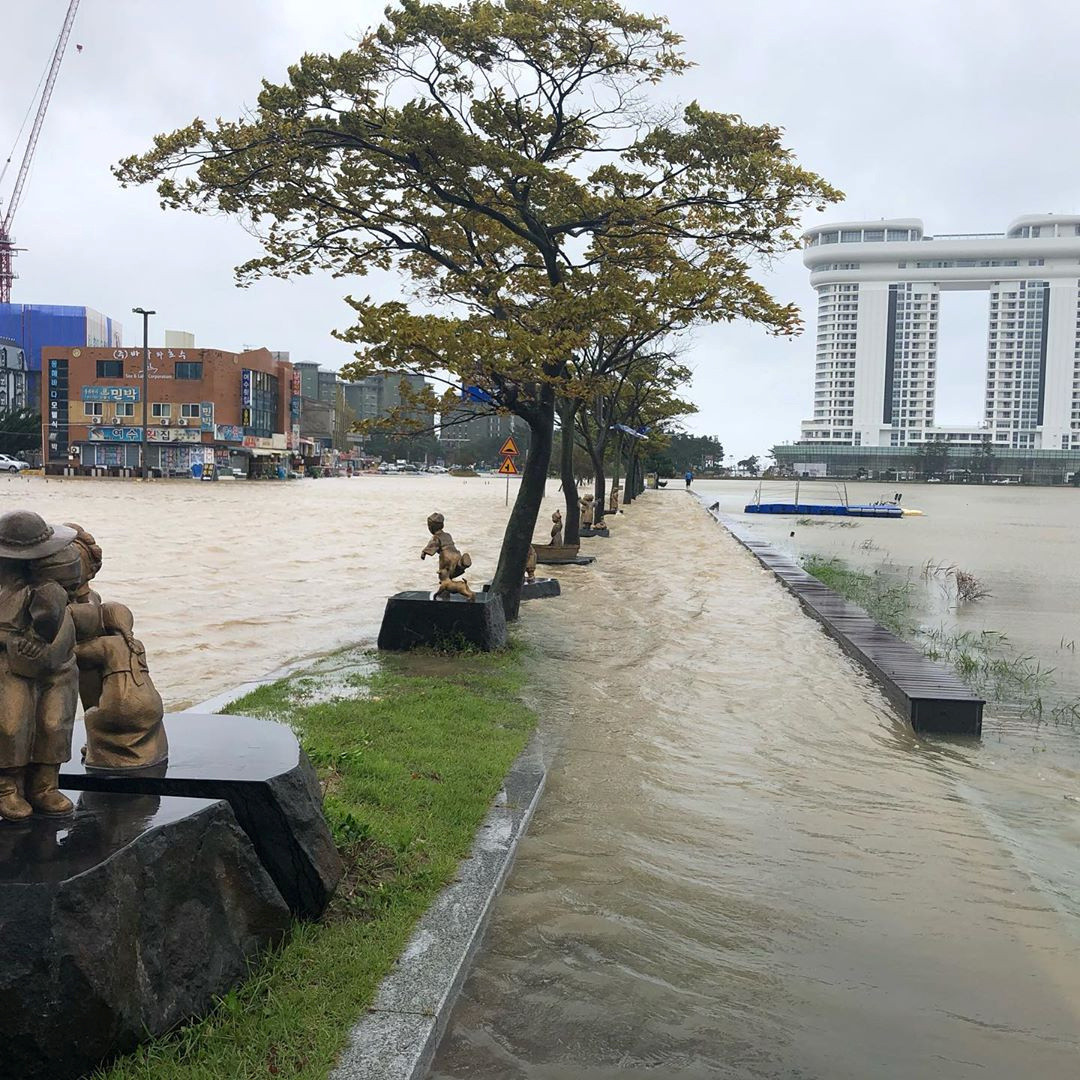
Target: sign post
509, 451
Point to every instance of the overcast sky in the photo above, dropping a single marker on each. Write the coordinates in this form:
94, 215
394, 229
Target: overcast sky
962, 113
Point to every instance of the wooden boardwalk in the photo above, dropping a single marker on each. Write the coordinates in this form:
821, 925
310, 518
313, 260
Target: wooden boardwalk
927, 693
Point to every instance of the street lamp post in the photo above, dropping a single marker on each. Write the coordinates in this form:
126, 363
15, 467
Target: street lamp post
145, 382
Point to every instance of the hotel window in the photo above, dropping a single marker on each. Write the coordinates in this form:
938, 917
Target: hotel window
189, 370
190, 411
92, 408
110, 369
125, 408
851, 236
161, 410
897, 234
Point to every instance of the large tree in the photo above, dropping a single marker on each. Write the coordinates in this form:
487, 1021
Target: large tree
489, 152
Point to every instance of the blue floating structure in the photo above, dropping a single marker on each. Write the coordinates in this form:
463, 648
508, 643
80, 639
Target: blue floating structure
884, 508
872, 510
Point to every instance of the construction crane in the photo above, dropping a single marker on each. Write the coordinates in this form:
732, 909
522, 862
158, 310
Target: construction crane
7, 244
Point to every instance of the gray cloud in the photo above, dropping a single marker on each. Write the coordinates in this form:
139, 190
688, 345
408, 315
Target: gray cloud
959, 113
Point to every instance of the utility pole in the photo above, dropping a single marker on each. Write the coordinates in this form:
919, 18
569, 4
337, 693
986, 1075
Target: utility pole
145, 382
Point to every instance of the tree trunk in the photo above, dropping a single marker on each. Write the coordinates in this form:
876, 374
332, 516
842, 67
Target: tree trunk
510, 572
618, 461
631, 489
572, 517
600, 493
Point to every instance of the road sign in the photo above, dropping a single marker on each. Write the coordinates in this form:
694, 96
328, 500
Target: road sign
508, 468
509, 448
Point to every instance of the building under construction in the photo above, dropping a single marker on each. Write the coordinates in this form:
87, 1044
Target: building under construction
35, 326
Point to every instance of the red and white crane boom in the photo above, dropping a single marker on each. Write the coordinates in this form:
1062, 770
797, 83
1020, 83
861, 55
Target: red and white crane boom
7, 247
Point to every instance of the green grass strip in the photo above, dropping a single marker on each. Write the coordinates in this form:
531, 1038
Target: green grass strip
411, 759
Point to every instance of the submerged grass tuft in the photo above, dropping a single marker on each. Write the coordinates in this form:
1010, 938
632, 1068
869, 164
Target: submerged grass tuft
885, 599
986, 660
410, 754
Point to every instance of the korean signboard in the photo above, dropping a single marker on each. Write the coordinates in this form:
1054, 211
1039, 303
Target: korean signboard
110, 393
229, 432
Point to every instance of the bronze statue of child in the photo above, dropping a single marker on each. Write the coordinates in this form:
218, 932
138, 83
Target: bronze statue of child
124, 728
556, 529
452, 563
39, 681
587, 511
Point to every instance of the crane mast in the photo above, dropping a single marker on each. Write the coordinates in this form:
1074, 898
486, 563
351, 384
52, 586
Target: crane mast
7, 246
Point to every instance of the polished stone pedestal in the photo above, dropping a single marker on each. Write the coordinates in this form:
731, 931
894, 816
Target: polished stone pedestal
118, 922
604, 531
540, 589
414, 619
550, 559
258, 767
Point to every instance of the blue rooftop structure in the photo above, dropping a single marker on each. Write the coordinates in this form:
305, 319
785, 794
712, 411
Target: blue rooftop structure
37, 326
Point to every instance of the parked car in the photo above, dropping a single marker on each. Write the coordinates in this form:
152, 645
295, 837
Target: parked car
11, 464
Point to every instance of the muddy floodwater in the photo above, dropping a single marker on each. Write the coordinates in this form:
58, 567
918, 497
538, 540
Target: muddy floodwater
745, 864
230, 580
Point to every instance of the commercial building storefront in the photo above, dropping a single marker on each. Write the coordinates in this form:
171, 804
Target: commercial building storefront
204, 406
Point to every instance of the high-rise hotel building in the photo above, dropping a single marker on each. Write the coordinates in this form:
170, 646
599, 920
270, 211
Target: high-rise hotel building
879, 286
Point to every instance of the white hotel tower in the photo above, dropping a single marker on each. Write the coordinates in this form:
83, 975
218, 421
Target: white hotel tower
879, 285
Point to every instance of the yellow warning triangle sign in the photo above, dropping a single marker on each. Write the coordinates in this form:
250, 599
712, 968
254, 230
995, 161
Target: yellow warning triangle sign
508, 467
509, 448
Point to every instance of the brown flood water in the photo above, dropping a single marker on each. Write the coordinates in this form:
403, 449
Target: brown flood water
230, 580
745, 865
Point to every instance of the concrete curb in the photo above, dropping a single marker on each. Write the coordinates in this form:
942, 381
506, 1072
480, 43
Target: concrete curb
397, 1038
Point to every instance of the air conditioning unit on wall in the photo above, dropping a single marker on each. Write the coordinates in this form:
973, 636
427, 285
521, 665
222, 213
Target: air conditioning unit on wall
182, 422
164, 421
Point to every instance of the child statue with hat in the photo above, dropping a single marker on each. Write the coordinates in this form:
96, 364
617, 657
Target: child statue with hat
39, 677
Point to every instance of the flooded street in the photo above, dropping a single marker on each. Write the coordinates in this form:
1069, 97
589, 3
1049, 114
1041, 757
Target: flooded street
230, 580
745, 865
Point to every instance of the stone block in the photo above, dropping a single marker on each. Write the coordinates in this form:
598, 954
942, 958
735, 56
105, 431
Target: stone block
603, 531
120, 921
540, 589
414, 619
565, 560
259, 768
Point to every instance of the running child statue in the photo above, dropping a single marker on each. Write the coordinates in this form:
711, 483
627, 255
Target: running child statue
452, 563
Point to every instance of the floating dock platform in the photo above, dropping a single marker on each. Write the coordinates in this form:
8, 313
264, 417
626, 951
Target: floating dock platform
888, 510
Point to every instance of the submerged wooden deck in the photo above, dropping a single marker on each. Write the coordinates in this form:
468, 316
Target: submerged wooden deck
927, 693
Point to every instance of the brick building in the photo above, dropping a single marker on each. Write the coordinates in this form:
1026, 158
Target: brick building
204, 405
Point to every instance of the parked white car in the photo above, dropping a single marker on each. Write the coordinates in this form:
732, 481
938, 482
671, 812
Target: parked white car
11, 464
